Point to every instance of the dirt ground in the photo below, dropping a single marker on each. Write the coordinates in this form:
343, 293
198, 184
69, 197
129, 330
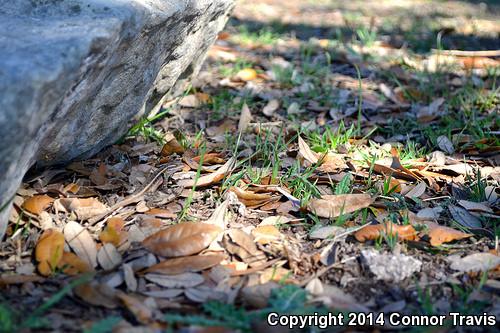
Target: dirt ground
331, 156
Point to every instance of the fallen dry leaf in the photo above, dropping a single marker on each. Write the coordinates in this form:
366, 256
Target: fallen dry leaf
172, 147
183, 280
109, 257
129, 277
97, 294
326, 232
211, 178
245, 118
440, 234
185, 264
49, 251
275, 220
71, 264
251, 199
417, 191
372, 232
306, 152
464, 218
331, 206
138, 308
266, 234
246, 74
475, 206
162, 213
84, 208
243, 245
113, 232
210, 158
182, 239
218, 217
80, 240
37, 203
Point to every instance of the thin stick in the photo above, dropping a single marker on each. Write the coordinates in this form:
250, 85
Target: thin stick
256, 269
133, 198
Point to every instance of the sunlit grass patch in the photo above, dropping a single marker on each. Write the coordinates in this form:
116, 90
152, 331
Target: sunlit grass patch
263, 36
331, 138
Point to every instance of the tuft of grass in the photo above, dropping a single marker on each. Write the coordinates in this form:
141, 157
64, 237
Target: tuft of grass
331, 138
255, 38
231, 69
146, 129
476, 186
366, 36
387, 188
344, 186
302, 188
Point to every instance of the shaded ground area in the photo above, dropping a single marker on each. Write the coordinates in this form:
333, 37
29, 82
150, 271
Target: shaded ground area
331, 156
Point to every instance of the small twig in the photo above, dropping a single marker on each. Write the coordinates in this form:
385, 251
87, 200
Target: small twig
460, 53
256, 269
437, 198
133, 198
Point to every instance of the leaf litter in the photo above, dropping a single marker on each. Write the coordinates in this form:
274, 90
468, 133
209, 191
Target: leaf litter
271, 174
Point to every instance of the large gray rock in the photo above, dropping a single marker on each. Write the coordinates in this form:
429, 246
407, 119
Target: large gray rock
74, 72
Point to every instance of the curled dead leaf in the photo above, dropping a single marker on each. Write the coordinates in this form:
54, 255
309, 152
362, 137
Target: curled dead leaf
211, 178
372, 232
97, 294
113, 232
306, 152
245, 118
49, 251
80, 240
182, 239
172, 147
331, 206
37, 203
138, 308
251, 199
71, 264
84, 208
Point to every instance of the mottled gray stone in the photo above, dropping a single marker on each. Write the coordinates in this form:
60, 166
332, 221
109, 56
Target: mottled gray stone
391, 267
73, 73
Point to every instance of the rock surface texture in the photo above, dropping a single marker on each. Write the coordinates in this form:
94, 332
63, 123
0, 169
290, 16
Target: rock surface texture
73, 73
